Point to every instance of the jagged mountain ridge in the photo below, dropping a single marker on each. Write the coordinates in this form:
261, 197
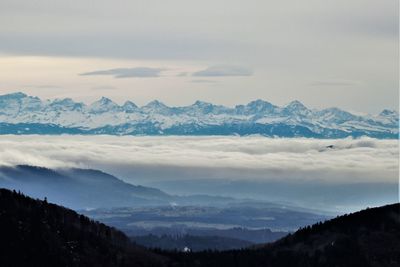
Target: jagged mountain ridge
23, 114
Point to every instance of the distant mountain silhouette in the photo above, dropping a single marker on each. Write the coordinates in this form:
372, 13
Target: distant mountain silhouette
251, 236
369, 238
37, 233
88, 188
78, 188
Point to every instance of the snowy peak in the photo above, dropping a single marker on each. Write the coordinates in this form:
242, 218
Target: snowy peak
296, 105
336, 115
388, 113
389, 116
17, 95
201, 107
62, 102
201, 118
105, 101
297, 108
156, 106
103, 105
13, 104
65, 105
201, 104
259, 104
256, 107
129, 107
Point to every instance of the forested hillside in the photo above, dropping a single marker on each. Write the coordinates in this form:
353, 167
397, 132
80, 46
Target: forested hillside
367, 238
37, 233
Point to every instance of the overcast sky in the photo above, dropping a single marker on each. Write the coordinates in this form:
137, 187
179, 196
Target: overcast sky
340, 53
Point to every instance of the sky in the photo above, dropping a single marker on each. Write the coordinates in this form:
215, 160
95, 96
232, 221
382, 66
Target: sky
355, 174
323, 53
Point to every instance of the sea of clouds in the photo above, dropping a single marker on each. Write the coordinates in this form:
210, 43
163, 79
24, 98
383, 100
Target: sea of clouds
337, 175
143, 158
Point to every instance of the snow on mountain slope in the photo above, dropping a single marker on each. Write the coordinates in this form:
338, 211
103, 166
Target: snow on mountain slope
23, 114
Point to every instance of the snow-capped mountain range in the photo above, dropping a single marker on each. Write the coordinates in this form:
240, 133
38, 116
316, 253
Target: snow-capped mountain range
23, 114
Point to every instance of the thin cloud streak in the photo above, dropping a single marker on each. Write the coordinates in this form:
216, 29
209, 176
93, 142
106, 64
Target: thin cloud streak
223, 70
138, 72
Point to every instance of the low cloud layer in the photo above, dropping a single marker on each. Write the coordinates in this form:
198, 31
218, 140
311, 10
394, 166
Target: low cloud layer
139, 72
236, 158
337, 175
220, 71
